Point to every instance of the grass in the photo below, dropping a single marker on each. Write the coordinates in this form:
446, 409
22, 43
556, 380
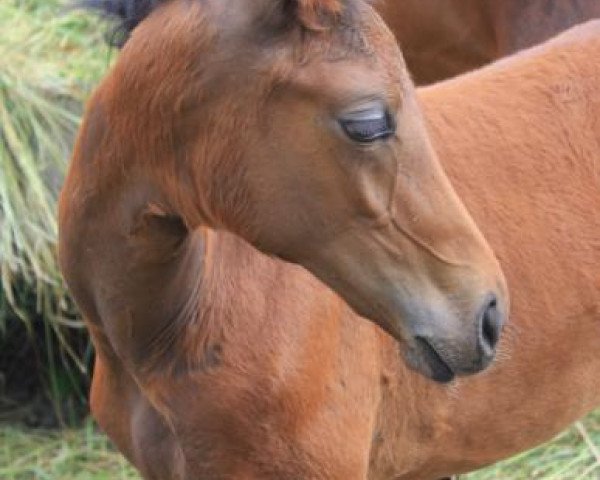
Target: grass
82, 454
50, 59
86, 454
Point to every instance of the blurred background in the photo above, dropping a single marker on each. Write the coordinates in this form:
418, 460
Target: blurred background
51, 57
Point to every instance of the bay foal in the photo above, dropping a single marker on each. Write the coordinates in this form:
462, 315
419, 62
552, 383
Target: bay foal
291, 128
443, 38
294, 385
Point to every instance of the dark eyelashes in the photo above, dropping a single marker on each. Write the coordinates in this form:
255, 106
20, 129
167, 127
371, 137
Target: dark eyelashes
369, 129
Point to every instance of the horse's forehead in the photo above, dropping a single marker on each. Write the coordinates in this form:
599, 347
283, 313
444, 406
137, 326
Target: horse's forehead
352, 73
376, 65
228, 48
358, 32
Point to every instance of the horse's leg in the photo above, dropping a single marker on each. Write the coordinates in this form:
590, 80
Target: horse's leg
133, 424
156, 452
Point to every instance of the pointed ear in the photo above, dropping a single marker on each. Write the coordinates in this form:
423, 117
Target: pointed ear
310, 14
316, 14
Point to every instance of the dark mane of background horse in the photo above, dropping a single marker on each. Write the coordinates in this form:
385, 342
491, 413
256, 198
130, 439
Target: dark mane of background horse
128, 13
313, 14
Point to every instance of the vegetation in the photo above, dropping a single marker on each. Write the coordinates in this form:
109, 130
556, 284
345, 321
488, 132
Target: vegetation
82, 454
50, 57
48, 61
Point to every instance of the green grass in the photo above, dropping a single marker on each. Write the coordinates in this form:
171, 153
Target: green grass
86, 454
82, 454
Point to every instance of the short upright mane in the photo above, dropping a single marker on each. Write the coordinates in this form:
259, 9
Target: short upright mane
130, 13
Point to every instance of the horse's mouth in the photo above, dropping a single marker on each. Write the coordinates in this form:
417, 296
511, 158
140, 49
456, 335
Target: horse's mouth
440, 371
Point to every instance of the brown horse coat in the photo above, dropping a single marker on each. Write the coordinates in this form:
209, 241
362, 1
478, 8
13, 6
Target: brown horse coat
442, 38
520, 140
278, 378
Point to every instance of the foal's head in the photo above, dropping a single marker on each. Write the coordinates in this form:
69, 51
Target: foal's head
294, 124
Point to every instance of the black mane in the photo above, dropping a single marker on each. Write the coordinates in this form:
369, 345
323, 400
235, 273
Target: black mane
127, 13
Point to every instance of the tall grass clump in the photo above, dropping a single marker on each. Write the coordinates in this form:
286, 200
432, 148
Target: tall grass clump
50, 58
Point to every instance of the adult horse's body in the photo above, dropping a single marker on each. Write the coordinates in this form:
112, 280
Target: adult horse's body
265, 373
442, 38
528, 125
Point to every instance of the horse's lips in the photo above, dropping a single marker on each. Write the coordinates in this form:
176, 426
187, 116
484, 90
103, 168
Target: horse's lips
440, 371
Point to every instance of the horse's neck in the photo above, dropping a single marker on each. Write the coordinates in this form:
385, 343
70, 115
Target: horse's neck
176, 304
174, 298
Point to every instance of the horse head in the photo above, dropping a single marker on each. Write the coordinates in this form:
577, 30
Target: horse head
295, 125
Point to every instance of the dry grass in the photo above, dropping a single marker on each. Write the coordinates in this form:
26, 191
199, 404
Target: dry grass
50, 58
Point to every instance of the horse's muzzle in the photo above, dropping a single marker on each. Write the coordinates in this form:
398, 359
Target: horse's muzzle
443, 358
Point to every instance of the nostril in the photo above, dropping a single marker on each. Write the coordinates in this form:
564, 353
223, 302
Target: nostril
490, 324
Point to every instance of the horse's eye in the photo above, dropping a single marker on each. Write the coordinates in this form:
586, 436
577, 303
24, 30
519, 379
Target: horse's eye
368, 125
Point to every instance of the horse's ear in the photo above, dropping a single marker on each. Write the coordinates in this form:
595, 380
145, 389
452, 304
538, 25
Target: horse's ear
313, 14
316, 14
